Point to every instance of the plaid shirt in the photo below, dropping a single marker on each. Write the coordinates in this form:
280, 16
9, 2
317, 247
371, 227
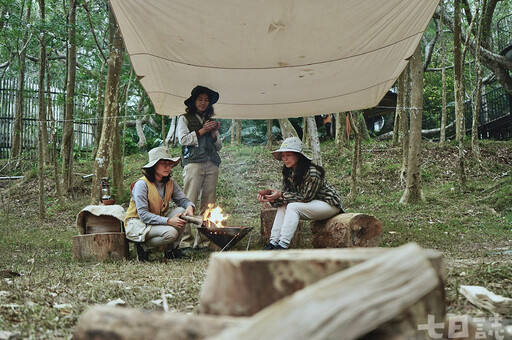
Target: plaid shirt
314, 187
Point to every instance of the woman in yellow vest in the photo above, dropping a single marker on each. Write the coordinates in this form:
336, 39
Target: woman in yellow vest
148, 222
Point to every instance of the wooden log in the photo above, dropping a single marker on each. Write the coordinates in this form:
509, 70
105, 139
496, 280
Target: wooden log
267, 215
100, 247
107, 323
243, 283
347, 230
348, 304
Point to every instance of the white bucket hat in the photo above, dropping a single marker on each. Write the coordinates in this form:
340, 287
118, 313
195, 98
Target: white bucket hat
292, 144
159, 153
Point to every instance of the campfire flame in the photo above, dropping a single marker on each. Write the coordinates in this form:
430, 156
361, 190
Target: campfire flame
213, 217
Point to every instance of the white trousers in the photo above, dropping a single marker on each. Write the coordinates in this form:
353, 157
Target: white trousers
288, 216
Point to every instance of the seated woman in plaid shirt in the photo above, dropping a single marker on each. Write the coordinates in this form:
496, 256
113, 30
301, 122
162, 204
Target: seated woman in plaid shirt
306, 194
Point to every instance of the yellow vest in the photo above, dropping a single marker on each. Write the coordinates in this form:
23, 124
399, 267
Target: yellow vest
156, 205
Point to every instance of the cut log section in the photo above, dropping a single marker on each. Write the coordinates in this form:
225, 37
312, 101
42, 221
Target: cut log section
107, 323
347, 230
100, 247
243, 283
348, 304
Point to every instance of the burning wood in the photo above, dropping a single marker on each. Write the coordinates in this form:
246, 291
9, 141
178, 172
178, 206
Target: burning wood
213, 217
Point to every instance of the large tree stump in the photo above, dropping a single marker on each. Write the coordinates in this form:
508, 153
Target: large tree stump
347, 230
100, 247
267, 215
107, 323
243, 283
353, 302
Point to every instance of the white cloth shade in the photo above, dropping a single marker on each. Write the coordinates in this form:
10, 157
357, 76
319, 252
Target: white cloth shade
271, 59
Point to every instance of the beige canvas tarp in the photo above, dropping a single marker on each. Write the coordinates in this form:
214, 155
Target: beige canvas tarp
271, 58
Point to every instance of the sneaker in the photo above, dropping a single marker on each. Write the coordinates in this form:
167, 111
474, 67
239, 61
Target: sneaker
142, 255
280, 247
174, 254
269, 246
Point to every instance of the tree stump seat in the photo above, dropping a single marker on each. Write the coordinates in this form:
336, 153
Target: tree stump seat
344, 230
101, 234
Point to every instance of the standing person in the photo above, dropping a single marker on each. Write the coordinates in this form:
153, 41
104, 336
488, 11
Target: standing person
306, 194
198, 134
147, 221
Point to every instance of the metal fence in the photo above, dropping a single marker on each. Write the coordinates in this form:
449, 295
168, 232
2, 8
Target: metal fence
84, 129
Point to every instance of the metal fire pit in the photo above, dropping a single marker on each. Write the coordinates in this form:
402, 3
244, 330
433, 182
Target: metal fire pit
225, 237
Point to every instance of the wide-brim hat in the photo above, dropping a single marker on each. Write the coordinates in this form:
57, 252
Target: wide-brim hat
196, 91
291, 144
159, 153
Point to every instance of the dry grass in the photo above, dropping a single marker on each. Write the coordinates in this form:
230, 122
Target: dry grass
471, 228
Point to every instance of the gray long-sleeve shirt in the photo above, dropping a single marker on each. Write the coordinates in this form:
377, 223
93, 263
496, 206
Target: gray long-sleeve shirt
140, 197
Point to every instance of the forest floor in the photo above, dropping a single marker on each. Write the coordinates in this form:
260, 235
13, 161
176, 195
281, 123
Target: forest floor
48, 290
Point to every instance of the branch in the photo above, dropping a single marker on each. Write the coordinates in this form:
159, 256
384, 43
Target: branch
86, 7
429, 46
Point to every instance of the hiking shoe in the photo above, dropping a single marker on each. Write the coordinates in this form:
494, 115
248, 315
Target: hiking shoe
175, 254
142, 256
269, 246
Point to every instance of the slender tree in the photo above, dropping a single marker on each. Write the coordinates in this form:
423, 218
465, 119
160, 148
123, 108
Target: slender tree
413, 190
270, 135
238, 131
314, 140
355, 156
442, 134
42, 131
404, 121
341, 134
17, 131
458, 63
67, 129
115, 62
287, 129
477, 97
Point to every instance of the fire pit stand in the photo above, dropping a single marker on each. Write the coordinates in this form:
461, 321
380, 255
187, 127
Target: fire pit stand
225, 237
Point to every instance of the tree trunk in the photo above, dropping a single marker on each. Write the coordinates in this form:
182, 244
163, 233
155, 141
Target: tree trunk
363, 129
306, 138
475, 147
270, 135
115, 62
99, 109
108, 323
17, 129
287, 129
355, 157
42, 130
233, 131
315, 142
172, 136
442, 136
238, 131
67, 129
399, 287
400, 107
54, 157
117, 159
404, 122
413, 190
458, 69
341, 135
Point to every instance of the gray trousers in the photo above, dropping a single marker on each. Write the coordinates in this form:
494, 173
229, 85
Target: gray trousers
160, 235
